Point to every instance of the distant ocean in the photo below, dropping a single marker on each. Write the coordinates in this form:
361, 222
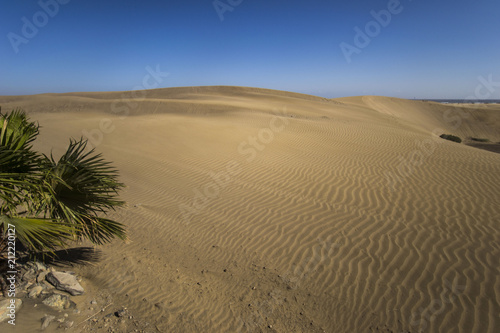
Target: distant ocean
464, 101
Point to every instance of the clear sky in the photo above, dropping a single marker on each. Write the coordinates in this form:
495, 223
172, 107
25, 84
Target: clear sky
424, 49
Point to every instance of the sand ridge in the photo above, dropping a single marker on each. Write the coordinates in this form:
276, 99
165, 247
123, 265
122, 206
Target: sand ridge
252, 210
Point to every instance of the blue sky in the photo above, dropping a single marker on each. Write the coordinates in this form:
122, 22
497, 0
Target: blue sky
429, 49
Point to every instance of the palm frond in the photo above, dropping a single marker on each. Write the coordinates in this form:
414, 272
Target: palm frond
82, 185
19, 164
38, 234
17, 132
102, 230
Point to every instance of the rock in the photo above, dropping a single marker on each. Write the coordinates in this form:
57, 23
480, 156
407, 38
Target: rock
121, 313
59, 302
29, 275
24, 285
35, 291
66, 325
7, 306
41, 276
46, 321
35, 266
46, 285
38, 266
66, 282
56, 301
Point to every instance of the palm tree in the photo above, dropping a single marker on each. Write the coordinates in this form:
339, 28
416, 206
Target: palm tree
50, 202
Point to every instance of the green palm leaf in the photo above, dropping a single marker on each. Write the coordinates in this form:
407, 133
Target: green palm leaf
82, 185
17, 132
19, 165
38, 234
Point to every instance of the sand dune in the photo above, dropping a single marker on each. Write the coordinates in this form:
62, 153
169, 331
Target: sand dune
255, 210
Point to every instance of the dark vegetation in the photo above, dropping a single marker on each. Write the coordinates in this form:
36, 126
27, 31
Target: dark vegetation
45, 203
451, 138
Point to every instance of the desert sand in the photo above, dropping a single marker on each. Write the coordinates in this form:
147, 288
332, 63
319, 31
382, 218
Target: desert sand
253, 210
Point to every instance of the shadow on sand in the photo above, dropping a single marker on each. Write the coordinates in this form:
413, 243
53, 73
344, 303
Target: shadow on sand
68, 257
493, 147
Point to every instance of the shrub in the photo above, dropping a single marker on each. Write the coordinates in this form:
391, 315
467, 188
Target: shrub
49, 202
451, 137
